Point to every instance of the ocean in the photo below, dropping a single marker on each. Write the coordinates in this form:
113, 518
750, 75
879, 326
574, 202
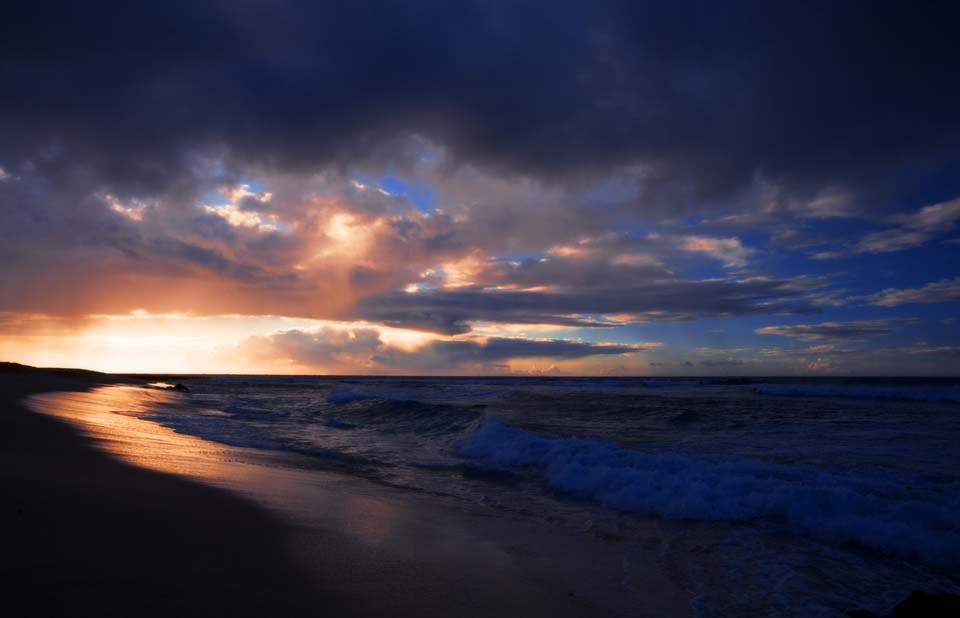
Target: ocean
761, 497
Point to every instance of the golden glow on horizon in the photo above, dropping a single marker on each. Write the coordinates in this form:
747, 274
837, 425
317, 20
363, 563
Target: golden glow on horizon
141, 342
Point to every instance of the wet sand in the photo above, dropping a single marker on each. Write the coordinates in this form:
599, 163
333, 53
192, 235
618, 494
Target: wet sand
86, 535
151, 529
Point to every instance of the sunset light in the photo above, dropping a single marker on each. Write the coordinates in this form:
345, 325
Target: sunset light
480, 309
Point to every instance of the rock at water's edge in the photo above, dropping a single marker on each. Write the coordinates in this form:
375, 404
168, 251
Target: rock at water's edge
919, 604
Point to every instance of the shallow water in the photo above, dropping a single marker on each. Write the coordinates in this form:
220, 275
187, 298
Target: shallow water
799, 498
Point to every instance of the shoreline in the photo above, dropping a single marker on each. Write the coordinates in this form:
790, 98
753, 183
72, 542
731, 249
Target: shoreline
112, 514
97, 535
88, 535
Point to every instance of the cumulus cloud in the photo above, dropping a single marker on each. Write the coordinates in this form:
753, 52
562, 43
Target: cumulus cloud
328, 247
835, 331
730, 251
324, 347
310, 247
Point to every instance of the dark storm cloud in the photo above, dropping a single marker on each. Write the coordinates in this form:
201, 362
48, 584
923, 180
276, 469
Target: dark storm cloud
705, 96
452, 311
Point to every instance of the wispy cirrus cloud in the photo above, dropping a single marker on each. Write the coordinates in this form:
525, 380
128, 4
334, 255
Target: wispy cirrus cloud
836, 331
453, 310
913, 230
935, 292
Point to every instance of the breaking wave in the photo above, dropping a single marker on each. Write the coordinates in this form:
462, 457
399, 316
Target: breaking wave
910, 518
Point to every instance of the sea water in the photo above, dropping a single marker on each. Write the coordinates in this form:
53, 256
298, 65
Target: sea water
778, 497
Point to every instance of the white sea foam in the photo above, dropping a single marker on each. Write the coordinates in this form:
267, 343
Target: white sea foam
904, 516
866, 392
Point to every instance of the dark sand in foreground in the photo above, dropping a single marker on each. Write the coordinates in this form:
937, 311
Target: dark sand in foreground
85, 535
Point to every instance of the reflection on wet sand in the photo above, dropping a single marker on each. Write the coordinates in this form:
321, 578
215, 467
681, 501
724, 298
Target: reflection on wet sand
110, 416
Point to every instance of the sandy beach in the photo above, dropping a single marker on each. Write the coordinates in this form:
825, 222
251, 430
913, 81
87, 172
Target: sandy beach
91, 534
86, 535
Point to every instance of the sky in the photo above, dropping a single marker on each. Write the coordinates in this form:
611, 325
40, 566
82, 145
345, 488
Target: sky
564, 188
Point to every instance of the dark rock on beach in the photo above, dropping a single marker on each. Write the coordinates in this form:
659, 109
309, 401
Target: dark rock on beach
919, 604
